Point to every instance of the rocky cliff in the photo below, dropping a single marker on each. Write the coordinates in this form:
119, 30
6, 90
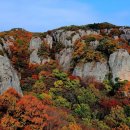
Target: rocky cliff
96, 50
119, 63
115, 50
8, 75
35, 45
116, 54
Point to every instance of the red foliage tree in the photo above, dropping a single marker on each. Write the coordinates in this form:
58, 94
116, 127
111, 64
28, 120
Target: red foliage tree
8, 100
109, 103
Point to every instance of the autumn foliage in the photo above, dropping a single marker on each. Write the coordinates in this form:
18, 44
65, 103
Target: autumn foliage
57, 100
30, 113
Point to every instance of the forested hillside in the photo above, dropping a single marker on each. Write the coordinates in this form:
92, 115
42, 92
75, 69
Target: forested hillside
70, 78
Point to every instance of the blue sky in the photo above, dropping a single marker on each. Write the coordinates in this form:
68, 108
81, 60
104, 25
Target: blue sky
43, 15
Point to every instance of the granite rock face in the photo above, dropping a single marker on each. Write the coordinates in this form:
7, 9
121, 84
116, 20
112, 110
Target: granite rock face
126, 34
97, 70
7, 41
119, 63
35, 44
64, 58
49, 41
8, 75
68, 38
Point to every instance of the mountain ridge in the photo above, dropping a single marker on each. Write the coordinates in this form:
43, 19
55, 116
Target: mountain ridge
66, 45
71, 78
69, 26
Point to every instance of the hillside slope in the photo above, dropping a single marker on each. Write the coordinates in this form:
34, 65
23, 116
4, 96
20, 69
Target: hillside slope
70, 78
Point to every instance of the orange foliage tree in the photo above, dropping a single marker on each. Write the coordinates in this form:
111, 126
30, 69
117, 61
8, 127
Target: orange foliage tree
30, 113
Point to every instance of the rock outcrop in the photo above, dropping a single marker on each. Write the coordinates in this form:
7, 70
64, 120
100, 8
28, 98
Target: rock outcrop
126, 33
64, 58
97, 70
119, 63
67, 39
35, 44
49, 41
7, 41
8, 75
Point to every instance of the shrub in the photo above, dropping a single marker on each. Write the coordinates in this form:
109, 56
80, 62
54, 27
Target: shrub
116, 117
109, 103
44, 51
10, 123
83, 50
100, 125
62, 102
20, 42
116, 32
8, 100
127, 110
104, 25
59, 75
72, 84
45, 98
72, 126
82, 110
57, 48
86, 96
107, 46
39, 87
90, 39
1, 53
58, 83
122, 127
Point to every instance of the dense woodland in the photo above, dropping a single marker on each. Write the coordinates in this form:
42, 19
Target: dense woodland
57, 100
